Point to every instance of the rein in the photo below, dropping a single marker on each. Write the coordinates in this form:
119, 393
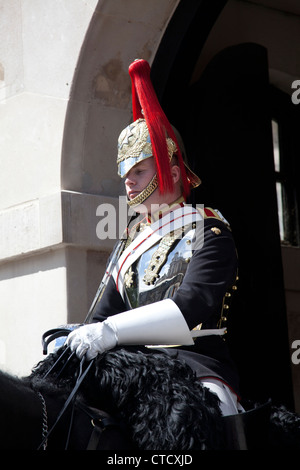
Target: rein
72, 395
83, 371
52, 334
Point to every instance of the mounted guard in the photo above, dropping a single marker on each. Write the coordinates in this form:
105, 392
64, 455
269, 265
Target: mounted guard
171, 274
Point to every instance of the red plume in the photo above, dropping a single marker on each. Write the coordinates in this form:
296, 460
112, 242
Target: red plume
145, 105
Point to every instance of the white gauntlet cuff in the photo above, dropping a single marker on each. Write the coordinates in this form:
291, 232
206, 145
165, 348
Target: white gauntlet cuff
154, 324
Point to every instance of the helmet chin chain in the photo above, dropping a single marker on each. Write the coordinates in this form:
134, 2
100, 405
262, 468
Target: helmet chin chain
140, 198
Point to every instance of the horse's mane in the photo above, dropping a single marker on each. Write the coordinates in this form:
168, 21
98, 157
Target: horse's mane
159, 397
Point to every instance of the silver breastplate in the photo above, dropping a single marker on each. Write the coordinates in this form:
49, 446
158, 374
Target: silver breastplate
158, 273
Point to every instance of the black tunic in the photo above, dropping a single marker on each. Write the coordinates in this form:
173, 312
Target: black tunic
210, 273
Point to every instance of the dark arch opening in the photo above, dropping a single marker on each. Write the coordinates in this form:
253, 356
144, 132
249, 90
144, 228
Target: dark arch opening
225, 122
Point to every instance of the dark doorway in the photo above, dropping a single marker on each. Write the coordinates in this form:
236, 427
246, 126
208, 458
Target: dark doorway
230, 117
225, 121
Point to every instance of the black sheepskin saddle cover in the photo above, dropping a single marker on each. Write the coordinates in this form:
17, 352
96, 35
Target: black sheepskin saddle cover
159, 398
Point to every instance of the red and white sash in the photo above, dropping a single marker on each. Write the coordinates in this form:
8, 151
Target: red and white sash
152, 234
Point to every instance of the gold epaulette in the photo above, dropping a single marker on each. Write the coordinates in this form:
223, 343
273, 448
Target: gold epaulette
209, 213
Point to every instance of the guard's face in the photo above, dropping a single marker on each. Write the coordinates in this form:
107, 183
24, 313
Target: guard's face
139, 176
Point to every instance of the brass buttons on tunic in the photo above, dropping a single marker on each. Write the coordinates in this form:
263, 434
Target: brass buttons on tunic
216, 230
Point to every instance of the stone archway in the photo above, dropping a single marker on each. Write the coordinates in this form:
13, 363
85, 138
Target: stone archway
55, 147
100, 98
98, 109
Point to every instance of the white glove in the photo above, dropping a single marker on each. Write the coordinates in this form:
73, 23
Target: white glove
92, 339
160, 323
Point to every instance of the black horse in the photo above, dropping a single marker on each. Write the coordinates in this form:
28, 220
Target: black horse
149, 401
29, 409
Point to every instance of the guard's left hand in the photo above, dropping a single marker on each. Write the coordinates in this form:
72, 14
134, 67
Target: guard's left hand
91, 340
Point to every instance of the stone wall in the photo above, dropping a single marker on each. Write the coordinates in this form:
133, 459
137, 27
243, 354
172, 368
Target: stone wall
64, 98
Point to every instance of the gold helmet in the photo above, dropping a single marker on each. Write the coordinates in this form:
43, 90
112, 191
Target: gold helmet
134, 145
151, 135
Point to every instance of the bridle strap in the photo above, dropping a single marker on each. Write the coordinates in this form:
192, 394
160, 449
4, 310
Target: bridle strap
81, 377
100, 421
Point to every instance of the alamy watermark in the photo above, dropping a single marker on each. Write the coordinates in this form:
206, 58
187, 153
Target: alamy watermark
296, 94
295, 357
114, 225
296, 354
